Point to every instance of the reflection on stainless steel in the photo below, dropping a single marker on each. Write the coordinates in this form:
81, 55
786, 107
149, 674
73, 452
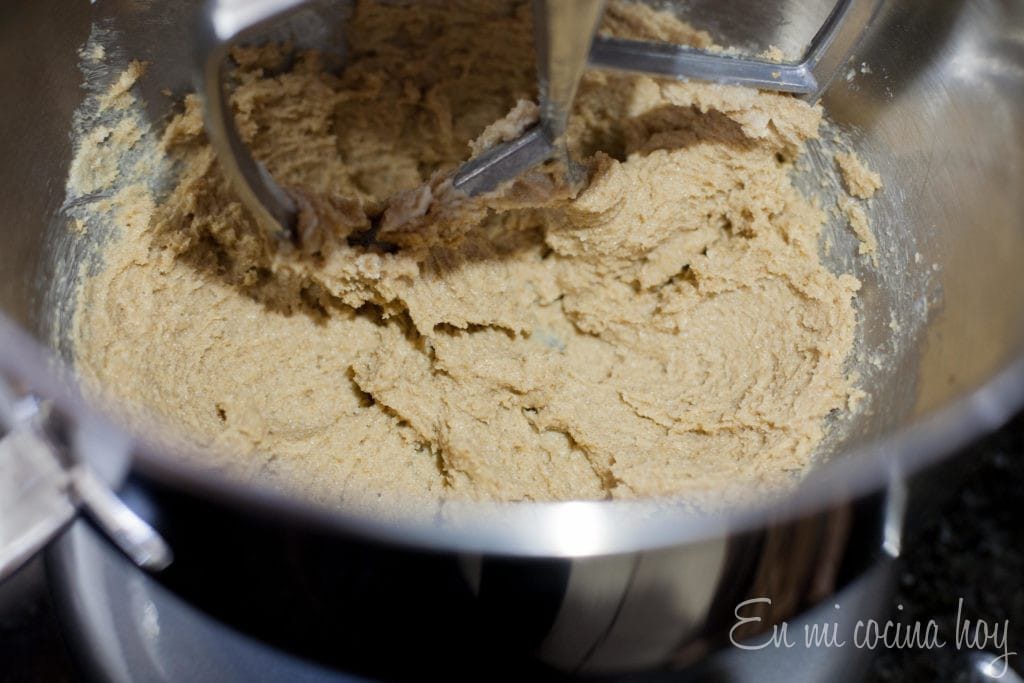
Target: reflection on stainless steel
507, 160
933, 99
895, 514
576, 531
563, 31
111, 609
41, 488
134, 537
677, 61
223, 22
984, 667
825, 55
34, 503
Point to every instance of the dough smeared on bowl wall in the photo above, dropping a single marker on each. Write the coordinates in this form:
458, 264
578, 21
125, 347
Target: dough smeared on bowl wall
669, 330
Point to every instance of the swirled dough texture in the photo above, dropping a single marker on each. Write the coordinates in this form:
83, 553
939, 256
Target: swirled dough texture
669, 329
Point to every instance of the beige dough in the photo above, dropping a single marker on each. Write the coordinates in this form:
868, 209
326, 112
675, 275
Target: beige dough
860, 226
860, 181
670, 330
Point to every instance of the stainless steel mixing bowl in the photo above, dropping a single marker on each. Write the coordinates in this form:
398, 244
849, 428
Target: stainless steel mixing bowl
933, 98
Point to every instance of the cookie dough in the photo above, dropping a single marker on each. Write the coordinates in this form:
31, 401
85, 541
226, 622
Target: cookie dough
669, 330
858, 221
860, 181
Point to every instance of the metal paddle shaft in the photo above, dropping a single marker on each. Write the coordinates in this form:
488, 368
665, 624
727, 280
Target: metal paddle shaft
563, 31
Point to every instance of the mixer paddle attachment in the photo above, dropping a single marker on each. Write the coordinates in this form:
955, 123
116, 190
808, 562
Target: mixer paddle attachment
566, 44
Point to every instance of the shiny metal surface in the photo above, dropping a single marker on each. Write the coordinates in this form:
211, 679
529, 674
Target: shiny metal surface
827, 52
932, 98
128, 627
663, 59
43, 484
34, 501
563, 32
984, 667
125, 529
219, 24
507, 160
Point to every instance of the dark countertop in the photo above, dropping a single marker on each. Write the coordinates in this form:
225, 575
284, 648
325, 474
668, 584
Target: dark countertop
972, 548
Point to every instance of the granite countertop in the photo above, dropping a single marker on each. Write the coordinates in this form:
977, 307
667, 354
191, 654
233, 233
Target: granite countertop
973, 548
